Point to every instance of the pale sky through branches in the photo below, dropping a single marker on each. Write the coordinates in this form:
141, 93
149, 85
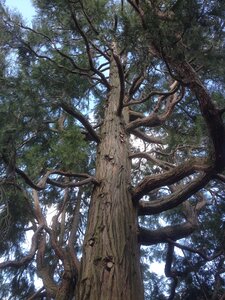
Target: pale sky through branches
23, 6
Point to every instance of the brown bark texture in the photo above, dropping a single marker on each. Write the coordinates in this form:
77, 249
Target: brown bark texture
110, 267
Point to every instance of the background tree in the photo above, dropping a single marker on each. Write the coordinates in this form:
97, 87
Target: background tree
112, 120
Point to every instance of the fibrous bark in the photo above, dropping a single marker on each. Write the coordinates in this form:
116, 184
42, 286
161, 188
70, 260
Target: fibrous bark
110, 264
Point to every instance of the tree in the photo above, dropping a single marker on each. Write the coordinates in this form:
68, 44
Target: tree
113, 120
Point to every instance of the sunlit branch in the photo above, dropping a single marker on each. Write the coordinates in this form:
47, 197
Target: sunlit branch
26, 259
70, 110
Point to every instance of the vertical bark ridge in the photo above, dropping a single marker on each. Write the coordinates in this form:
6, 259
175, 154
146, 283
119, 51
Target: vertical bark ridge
110, 264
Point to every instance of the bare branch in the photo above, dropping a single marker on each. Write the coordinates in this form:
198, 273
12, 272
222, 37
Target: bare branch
72, 184
135, 86
154, 119
220, 177
45, 179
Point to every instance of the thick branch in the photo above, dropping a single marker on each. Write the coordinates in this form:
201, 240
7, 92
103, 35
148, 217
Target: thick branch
150, 237
154, 119
152, 182
122, 79
178, 197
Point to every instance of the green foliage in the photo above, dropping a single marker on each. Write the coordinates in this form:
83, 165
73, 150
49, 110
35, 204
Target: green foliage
58, 60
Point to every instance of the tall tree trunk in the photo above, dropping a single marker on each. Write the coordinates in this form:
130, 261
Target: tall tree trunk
110, 267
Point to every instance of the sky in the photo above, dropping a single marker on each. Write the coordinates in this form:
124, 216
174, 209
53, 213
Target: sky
23, 6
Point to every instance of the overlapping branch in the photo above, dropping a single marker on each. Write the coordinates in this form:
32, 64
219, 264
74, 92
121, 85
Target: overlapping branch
88, 49
178, 197
154, 119
80, 117
46, 180
152, 182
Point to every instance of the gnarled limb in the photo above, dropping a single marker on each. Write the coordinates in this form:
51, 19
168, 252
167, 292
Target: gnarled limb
152, 182
176, 198
151, 237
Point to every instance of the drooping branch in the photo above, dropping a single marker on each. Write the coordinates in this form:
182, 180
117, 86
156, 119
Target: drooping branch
63, 54
150, 183
70, 110
26, 259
